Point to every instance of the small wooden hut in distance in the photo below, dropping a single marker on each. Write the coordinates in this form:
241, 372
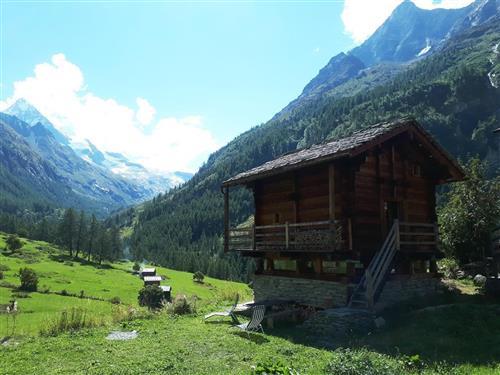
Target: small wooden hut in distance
350, 221
148, 272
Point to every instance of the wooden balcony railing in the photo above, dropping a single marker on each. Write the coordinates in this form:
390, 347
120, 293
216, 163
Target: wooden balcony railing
319, 236
418, 236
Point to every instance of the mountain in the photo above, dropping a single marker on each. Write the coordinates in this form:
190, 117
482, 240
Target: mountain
27, 181
29, 114
119, 164
409, 34
108, 181
452, 91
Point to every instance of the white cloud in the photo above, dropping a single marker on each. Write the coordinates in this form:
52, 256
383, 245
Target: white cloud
57, 89
146, 111
362, 17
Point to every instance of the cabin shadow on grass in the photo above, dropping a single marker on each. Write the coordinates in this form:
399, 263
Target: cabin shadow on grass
256, 338
455, 328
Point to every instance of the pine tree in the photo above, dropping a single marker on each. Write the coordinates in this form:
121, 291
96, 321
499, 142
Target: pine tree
67, 230
116, 243
103, 245
92, 237
81, 233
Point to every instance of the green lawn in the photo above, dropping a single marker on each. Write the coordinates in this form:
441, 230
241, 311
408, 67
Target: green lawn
186, 345
57, 272
460, 337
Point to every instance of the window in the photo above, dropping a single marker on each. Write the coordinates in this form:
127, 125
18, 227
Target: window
285, 265
277, 218
416, 170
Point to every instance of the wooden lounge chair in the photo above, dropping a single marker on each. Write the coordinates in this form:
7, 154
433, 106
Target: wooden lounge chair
255, 323
229, 312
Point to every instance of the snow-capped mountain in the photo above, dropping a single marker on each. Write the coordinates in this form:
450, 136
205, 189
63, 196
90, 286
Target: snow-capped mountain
122, 166
99, 175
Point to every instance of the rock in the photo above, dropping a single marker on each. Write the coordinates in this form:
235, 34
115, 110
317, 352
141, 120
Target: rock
379, 322
479, 280
117, 335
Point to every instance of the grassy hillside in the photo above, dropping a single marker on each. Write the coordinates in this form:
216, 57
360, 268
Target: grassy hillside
59, 275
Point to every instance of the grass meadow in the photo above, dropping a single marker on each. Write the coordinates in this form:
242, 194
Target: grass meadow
458, 333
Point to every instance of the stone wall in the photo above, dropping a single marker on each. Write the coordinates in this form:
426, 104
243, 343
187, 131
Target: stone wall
328, 294
402, 288
316, 293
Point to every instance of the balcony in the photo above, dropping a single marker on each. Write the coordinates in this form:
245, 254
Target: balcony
319, 236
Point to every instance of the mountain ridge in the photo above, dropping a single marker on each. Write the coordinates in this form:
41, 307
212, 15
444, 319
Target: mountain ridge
110, 178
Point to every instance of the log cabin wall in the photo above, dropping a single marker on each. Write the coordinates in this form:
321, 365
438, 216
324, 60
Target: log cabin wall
390, 182
298, 197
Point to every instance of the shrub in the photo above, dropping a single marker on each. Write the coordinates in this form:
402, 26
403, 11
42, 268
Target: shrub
115, 300
21, 295
274, 368
122, 313
70, 321
4, 267
180, 306
29, 279
470, 214
6, 284
136, 267
1, 275
82, 294
361, 362
151, 296
64, 292
13, 242
69, 263
449, 267
198, 276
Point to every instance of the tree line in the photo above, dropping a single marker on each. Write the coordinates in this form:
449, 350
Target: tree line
89, 238
81, 235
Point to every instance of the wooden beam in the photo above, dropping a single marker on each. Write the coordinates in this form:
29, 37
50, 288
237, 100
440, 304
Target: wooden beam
295, 199
331, 192
226, 219
393, 172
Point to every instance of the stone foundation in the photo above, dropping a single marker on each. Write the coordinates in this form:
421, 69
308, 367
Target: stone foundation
403, 288
316, 293
328, 294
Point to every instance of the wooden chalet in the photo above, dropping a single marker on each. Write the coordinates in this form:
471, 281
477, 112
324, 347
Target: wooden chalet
332, 221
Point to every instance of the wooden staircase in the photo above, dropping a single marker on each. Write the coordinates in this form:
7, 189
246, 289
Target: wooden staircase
374, 277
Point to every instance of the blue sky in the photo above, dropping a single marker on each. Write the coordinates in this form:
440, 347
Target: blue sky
206, 71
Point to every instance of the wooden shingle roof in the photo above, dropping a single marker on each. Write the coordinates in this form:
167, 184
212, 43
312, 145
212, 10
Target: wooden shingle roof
349, 146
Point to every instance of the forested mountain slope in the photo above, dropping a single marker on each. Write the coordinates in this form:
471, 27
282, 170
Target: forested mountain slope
451, 93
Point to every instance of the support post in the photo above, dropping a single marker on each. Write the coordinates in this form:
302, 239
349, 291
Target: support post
349, 229
331, 204
226, 219
287, 235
